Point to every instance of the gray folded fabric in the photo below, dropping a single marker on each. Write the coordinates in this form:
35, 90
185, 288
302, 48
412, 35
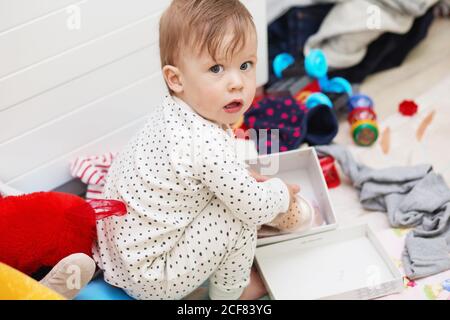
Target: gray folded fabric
412, 197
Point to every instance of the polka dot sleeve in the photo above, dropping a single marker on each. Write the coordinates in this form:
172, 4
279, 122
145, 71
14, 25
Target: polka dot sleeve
225, 175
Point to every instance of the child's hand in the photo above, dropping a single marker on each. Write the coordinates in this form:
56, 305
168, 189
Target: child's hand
293, 190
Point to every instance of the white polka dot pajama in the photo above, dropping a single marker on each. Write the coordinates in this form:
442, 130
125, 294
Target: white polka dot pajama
192, 213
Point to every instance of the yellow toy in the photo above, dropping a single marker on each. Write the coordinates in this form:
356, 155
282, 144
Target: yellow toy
15, 285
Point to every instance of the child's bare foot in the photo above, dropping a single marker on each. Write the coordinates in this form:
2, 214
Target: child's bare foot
255, 288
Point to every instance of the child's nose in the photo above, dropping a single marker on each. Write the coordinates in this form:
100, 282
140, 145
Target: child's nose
235, 81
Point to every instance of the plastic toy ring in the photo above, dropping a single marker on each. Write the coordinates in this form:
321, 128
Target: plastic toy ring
318, 98
365, 113
365, 132
281, 62
337, 85
316, 65
358, 101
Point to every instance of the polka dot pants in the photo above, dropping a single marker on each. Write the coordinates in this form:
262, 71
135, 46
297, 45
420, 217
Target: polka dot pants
217, 246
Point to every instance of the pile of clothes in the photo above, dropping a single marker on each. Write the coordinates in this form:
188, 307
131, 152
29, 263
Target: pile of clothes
359, 37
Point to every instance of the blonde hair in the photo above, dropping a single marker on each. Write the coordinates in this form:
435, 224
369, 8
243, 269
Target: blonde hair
203, 24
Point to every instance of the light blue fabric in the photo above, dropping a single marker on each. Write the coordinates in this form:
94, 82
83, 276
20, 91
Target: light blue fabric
98, 289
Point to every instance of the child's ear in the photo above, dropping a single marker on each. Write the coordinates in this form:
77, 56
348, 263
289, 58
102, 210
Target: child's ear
172, 75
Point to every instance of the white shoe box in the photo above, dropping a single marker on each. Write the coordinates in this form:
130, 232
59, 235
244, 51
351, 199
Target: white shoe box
346, 264
324, 262
301, 167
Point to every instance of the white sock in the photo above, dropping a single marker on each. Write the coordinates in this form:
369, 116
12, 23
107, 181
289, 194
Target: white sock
70, 275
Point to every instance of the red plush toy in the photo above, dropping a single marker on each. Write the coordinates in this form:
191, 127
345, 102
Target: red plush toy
39, 229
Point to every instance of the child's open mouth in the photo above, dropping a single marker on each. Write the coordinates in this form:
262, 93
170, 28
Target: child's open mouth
234, 106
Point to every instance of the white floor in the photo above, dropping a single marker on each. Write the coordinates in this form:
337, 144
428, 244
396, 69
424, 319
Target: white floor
425, 66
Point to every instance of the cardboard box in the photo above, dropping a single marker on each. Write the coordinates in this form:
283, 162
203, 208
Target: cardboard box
347, 263
302, 167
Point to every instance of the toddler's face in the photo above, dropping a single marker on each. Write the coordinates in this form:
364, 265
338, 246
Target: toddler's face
222, 90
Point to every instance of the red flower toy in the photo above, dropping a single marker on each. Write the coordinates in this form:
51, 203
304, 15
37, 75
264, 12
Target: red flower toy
408, 108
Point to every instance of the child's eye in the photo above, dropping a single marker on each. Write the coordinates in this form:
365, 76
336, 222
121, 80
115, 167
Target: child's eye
216, 69
246, 65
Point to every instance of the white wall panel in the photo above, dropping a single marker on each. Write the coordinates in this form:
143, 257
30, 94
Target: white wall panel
65, 92
22, 47
74, 129
16, 12
74, 94
65, 67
